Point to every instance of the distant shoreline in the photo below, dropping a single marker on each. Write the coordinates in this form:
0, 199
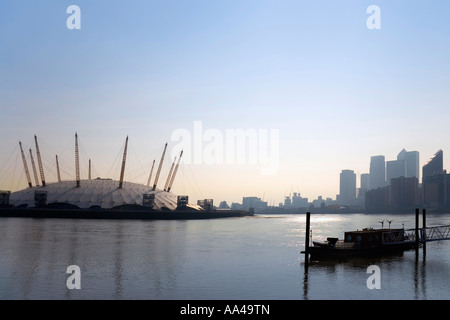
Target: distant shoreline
37, 213
349, 211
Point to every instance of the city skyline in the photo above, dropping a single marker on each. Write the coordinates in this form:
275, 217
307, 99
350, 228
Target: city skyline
352, 182
336, 91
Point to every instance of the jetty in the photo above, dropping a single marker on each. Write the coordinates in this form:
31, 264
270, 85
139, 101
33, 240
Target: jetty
369, 241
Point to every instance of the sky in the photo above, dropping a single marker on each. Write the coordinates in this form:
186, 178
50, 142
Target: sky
318, 89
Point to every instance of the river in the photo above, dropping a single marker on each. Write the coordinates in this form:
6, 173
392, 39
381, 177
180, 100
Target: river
248, 258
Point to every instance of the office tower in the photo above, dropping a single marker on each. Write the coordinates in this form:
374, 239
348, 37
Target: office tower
434, 182
347, 187
434, 166
365, 181
395, 169
404, 193
411, 159
377, 172
364, 185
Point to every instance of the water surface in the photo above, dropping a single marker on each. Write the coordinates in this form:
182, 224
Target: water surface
236, 258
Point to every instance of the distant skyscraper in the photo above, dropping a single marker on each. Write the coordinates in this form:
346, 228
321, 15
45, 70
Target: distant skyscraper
404, 193
395, 169
434, 182
435, 166
377, 172
365, 182
411, 162
347, 187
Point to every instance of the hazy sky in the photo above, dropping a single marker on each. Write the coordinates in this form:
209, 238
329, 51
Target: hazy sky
336, 91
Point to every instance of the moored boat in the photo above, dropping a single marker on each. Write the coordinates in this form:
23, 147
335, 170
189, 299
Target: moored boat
367, 242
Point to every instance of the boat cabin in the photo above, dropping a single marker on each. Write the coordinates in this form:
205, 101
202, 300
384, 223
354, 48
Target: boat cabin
371, 237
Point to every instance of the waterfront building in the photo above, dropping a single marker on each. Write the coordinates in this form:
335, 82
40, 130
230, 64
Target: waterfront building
434, 182
347, 187
377, 172
364, 182
395, 169
411, 159
435, 190
224, 205
253, 202
434, 166
298, 201
378, 200
404, 193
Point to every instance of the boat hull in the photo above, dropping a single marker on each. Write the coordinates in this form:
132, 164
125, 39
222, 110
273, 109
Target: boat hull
332, 253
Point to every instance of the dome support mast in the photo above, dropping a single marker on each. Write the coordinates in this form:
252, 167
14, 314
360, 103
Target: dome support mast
122, 171
151, 172
170, 174
33, 165
77, 161
57, 169
41, 168
159, 168
174, 172
25, 166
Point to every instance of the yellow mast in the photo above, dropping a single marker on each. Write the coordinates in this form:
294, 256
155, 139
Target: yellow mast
57, 169
41, 168
159, 167
122, 171
170, 174
77, 161
150, 176
175, 172
33, 165
25, 166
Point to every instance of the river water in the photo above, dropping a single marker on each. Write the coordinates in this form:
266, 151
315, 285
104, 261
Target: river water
249, 258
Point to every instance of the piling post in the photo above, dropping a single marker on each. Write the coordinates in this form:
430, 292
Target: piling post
307, 233
417, 228
424, 230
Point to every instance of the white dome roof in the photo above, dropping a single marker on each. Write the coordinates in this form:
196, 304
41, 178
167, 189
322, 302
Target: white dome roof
104, 193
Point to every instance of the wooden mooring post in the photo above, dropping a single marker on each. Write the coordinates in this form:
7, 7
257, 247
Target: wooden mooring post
307, 235
417, 229
424, 230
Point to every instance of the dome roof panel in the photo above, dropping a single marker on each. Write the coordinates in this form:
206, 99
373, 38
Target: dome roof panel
104, 193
